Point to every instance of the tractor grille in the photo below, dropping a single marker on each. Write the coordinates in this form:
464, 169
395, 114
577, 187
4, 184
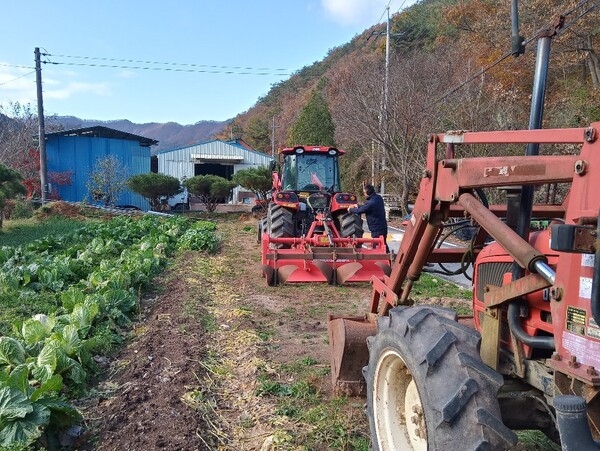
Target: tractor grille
490, 274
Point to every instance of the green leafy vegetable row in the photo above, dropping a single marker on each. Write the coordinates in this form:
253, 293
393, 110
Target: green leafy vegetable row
83, 288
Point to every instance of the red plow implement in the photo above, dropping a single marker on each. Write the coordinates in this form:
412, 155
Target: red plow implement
325, 257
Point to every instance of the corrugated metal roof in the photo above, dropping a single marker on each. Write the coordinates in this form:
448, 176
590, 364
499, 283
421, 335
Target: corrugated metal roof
104, 132
217, 142
210, 156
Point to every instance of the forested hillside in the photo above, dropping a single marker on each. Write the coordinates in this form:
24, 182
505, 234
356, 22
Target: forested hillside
450, 67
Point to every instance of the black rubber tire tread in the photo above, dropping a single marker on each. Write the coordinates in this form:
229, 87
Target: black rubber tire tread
280, 222
263, 224
351, 225
458, 391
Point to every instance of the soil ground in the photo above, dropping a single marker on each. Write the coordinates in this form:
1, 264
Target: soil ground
189, 375
154, 394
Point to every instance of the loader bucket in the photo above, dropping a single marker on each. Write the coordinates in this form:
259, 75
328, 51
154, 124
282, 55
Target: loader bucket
349, 353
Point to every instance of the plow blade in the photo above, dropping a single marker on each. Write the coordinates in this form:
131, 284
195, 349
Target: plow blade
327, 271
349, 353
385, 267
335, 266
347, 271
284, 272
269, 274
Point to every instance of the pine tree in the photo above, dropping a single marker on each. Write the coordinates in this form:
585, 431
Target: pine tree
314, 125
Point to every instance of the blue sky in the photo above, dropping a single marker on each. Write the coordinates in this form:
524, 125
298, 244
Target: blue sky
223, 56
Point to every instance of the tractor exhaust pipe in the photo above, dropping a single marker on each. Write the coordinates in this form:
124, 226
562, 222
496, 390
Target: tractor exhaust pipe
572, 422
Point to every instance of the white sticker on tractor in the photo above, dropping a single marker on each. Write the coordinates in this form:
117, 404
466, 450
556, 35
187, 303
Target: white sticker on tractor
588, 260
594, 332
585, 350
585, 287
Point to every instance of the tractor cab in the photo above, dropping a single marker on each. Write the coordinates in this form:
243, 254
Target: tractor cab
311, 169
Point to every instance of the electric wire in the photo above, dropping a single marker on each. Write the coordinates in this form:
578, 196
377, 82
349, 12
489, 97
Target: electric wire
579, 5
384, 10
400, 7
169, 69
587, 11
16, 66
15, 79
241, 70
170, 66
527, 41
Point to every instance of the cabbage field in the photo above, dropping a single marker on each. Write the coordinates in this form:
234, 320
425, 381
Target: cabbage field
66, 300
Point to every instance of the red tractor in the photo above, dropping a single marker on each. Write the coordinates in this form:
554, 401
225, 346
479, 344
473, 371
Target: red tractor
308, 234
528, 357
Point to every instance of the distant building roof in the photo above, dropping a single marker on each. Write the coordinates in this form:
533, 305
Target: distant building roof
235, 143
240, 142
105, 132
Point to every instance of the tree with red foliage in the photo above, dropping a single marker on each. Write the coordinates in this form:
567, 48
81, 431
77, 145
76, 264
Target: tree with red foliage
29, 168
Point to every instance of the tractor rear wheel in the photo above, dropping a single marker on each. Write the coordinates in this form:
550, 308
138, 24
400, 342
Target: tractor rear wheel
351, 225
263, 224
280, 221
427, 388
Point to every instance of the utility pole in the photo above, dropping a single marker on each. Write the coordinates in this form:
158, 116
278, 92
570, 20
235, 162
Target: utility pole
273, 127
373, 159
42, 130
384, 113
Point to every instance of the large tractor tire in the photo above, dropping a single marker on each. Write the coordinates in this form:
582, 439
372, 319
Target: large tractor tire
427, 388
280, 221
351, 225
263, 225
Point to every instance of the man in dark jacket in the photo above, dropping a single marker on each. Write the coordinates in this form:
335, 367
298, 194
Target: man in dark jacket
374, 210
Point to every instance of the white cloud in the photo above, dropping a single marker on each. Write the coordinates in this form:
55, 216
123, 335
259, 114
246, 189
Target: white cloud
73, 88
17, 85
127, 74
362, 13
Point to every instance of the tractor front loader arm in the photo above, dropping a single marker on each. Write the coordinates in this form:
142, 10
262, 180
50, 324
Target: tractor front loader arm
450, 182
448, 188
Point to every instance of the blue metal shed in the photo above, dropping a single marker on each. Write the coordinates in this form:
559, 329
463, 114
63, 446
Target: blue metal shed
77, 151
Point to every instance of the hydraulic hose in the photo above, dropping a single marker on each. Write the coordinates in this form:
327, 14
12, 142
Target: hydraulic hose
526, 204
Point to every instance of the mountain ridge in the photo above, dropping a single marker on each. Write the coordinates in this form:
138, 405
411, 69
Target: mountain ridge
170, 135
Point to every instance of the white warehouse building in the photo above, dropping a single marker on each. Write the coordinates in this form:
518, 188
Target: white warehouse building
216, 157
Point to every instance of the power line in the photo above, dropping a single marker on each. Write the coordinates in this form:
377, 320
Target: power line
473, 77
579, 5
584, 13
14, 79
506, 55
400, 7
192, 67
384, 11
17, 66
168, 69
